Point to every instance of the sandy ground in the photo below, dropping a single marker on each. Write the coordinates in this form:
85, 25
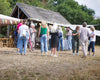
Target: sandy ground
33, 66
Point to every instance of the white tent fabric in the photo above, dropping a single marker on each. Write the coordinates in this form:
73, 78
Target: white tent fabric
73, 27
8, 18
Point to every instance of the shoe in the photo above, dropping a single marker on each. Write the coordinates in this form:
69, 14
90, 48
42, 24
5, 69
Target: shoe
51, 54
42, 53
76, 53
55, 56
73, 53
93, 55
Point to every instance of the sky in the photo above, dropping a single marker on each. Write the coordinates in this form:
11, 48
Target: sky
93, 4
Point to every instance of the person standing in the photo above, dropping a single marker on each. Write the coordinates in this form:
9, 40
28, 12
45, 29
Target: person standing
50, 26
69, 37
18, 35
24, 36
84, 34
92, 41
43, 33
33, 35
60, 37
76, 40
54, 40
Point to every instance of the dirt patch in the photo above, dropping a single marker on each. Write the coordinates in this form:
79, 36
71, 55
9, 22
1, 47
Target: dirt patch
33, 66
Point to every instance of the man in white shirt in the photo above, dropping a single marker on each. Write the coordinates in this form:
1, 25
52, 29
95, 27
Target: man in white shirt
84, 34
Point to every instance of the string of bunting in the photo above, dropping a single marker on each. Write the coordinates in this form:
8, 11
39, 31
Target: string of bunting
3, 21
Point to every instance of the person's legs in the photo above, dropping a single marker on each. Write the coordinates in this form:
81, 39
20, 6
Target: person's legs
77, 47
42, 45
59, 44
52, 51
45, 43
21, 45
33, 42
55, 52
62, 44
89, 47
70, 43
73, 46
93, 49
49, 44
25, 45
18, 42
83, 47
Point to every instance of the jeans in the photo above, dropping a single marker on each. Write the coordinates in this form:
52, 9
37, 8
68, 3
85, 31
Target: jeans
60, 43
43, 41
91, 46
49, 44
75, 46
69, 42
18, 42
24, 41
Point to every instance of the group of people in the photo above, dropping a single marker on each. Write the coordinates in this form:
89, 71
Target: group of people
54, 34
25, 35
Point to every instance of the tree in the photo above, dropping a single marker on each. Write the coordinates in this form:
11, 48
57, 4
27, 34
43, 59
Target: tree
5, 7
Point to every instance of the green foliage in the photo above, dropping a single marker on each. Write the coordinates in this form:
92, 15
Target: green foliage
75, 13
2, 36
5, 7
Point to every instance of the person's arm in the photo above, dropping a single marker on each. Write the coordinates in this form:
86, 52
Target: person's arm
39, 31
74, 34
34, 30
47, 32
28, 30
18, 31
92, 35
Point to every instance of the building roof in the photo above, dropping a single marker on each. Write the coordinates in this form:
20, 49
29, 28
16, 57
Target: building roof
39, 14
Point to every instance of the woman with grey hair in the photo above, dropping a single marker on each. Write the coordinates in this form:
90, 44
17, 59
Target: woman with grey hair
33, 35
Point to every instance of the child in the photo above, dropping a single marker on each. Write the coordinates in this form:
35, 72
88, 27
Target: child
92, 41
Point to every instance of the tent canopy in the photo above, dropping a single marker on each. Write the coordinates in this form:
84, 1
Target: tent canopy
6, 20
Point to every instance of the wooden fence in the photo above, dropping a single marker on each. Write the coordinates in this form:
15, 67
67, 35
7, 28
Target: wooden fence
7, 42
